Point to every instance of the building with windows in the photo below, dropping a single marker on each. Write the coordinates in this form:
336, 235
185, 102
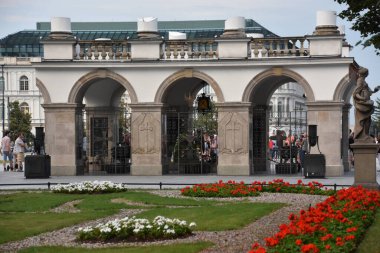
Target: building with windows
288, 110
20, 85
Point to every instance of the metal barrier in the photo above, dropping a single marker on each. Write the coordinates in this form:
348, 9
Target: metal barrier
160, 184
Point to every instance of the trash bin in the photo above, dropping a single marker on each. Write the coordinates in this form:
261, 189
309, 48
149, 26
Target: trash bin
314, 166
37, 166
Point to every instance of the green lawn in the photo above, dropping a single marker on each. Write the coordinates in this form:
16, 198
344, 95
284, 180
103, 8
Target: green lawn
370, 243
174, 248
217, 218
26, 214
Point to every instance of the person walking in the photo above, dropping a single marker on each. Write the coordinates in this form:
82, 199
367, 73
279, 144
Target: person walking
19, 149
6, 151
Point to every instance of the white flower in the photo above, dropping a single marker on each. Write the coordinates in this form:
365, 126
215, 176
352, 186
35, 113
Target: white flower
105, 230
170, 231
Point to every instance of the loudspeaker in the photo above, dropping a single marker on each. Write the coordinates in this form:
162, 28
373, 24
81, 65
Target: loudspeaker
314, 166
39, 141
313, 137
37, 166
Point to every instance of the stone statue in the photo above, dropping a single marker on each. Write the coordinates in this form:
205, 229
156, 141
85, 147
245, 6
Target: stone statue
364, 107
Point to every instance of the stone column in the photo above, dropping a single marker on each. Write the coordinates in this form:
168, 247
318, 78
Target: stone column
233, 138
365, 164
146, 151
61, 137
327, 115
345, 127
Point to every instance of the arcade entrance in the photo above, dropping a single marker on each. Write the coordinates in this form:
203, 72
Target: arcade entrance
191, 142
280, 151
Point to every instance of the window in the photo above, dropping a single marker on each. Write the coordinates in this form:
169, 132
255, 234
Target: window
24, 83
24, 107
279, 109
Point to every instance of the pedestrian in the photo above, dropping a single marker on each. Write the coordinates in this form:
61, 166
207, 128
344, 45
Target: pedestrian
270, 147
6, 151
19, 149
304, 149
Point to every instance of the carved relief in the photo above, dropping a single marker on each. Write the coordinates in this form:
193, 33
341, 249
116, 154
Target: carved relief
233, 127
146, 134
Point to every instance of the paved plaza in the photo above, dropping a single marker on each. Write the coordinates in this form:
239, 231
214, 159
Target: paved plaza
168, 181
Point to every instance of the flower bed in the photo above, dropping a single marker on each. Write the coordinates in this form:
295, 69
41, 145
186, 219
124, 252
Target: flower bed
335, 225
234, 189
89, 187
221, 190
279, 185
133, 229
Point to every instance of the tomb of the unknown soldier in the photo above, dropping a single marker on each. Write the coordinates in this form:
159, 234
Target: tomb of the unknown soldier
186, 97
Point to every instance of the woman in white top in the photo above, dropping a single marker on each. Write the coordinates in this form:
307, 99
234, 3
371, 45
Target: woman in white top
19, 150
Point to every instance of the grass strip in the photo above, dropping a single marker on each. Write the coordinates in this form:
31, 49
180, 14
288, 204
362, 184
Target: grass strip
173, 248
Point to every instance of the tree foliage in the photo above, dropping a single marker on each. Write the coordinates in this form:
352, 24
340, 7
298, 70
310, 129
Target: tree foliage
19, 122
365, 15
207, 121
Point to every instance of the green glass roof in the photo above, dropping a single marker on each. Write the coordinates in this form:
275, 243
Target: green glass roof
27, 43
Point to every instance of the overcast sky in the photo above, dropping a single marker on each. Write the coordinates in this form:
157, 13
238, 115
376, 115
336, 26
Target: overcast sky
285, 18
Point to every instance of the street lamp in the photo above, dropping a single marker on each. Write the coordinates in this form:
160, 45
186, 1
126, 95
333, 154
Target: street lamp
2, 87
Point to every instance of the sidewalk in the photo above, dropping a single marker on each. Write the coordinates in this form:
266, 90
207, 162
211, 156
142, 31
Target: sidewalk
10, 177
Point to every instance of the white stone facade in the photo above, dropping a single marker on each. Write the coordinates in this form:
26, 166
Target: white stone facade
21, 85
243, 72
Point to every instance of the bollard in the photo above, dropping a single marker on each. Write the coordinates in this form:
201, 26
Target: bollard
160, 185
48, 185
335, 187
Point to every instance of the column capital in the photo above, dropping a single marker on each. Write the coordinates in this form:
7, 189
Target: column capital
227, 106
63, 106
325, 105
151, 107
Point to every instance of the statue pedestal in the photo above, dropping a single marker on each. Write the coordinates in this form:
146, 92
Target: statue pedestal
365, 164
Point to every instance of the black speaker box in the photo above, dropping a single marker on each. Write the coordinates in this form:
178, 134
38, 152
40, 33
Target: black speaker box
37, 166
313, 135
286, 168
40, 136
314, 166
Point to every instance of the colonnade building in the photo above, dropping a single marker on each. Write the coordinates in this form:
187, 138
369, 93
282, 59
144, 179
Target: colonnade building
79, 76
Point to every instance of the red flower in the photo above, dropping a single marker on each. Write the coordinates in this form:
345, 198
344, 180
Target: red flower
339, 241
256, 248
309, 248
328, 246
349, 237
292, 216
298, 242
326, 237
271, 241
353, 229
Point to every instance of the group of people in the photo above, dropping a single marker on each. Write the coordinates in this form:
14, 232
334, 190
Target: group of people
284, 147
13, 152
209, 147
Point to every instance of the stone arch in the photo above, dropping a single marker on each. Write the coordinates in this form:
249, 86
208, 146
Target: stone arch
44, 91
85, 81
187, 73
344, 89
282, 73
